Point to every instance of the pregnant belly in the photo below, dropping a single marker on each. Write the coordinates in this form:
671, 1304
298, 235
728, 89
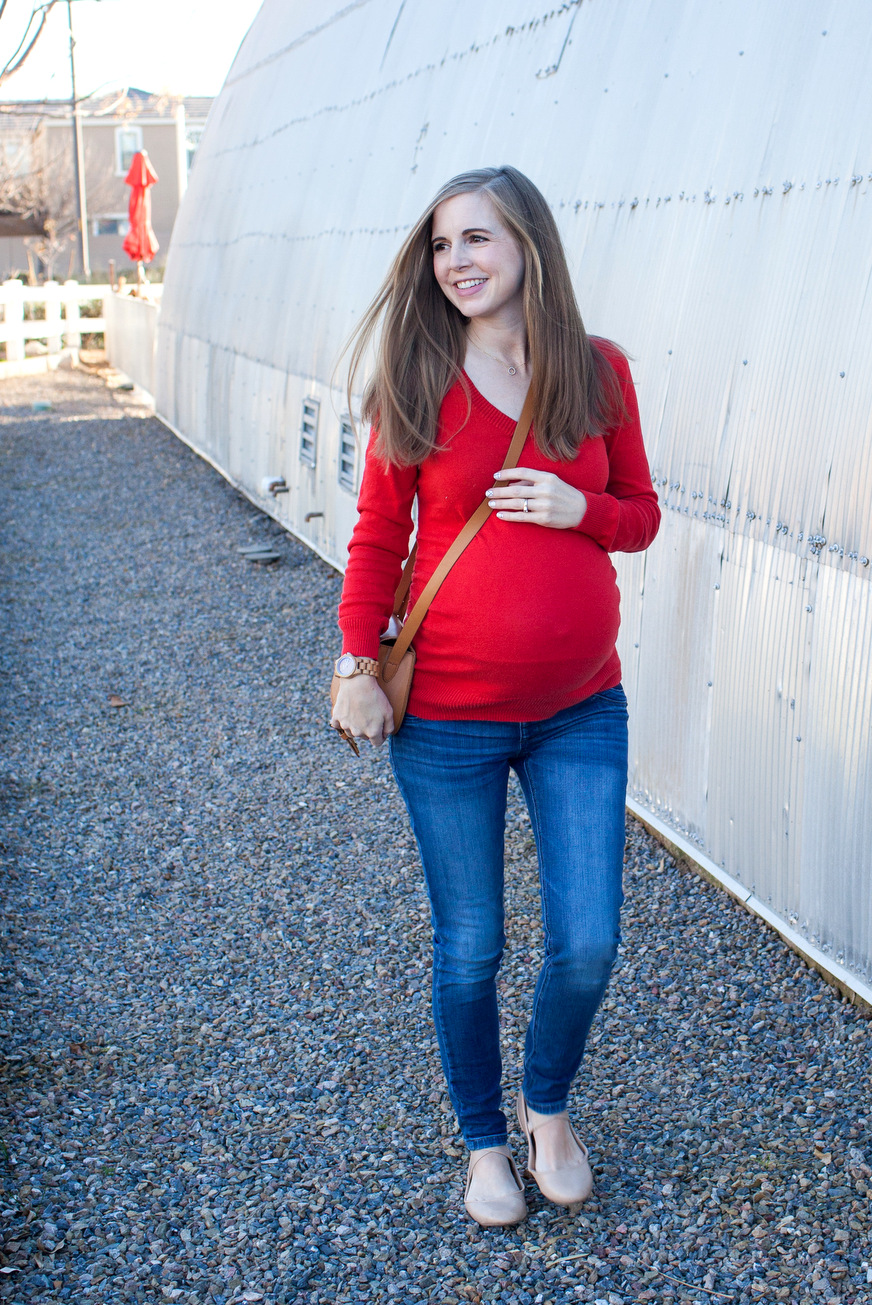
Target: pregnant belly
523, 603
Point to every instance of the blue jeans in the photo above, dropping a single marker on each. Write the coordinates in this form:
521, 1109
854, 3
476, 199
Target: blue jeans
453, 776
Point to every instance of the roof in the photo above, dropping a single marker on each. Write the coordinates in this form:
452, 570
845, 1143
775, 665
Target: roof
24, 115
124, 102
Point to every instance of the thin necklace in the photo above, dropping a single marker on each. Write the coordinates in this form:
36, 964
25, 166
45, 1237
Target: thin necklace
513, 371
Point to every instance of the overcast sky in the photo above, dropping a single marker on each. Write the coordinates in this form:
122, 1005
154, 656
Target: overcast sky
182, 46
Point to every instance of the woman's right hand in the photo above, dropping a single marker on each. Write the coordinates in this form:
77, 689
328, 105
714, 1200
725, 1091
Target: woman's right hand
362, 710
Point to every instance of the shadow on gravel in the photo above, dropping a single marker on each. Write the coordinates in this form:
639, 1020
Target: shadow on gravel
221, 1078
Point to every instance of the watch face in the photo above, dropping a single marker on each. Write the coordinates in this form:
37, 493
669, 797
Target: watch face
346, 665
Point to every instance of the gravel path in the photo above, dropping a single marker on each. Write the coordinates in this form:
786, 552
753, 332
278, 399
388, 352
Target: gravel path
222, 1081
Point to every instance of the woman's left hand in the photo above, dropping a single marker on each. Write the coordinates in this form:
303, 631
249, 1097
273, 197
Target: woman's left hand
550, 501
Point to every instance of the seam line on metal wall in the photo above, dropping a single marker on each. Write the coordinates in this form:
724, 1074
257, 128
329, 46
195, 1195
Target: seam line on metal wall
289, 239
576, 205
454, 57
782, 533
298, 41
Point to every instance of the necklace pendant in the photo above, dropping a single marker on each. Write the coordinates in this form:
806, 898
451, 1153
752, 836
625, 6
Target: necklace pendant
513, 371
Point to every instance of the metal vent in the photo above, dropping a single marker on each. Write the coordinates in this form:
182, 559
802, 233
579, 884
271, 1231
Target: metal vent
347, 456
309, 433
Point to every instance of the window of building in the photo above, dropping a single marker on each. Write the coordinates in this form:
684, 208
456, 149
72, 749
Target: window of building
15, 155
309, 433
347, 456
111, 224
128, 141
193, 132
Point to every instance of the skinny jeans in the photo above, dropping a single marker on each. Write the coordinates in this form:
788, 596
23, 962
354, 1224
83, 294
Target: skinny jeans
453, 776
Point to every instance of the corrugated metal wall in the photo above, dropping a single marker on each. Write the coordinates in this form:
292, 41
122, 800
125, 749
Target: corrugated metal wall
710, 166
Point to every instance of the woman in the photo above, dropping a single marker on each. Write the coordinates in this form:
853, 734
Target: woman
516, 660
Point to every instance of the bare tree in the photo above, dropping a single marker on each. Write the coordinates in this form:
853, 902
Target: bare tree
32, 32
20, 187
40, 184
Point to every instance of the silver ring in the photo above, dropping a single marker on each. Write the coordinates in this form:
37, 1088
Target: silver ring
526, 505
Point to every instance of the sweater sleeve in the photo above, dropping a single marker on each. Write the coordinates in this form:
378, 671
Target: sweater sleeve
379, 544
626, 517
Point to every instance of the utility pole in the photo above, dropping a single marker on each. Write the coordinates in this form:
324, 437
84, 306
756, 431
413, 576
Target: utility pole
78, 157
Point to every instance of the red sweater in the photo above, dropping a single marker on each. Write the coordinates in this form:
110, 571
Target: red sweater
526, 621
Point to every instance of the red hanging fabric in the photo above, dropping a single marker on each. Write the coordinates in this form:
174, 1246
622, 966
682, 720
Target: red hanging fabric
140, 243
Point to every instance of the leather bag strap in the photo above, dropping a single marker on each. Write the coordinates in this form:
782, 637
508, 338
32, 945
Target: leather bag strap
401, 597
467, 534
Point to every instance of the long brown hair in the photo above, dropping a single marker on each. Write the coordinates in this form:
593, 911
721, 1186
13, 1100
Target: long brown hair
422, 344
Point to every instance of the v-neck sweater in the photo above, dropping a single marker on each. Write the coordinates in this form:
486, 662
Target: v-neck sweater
526, 621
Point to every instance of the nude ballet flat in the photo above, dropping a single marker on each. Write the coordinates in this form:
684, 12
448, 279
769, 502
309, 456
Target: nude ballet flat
496, 1211
567, 1186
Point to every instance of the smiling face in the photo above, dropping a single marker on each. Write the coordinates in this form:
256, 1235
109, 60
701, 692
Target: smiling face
476, 260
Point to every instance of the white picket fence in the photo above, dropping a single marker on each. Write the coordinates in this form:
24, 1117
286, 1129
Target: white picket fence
63, 324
